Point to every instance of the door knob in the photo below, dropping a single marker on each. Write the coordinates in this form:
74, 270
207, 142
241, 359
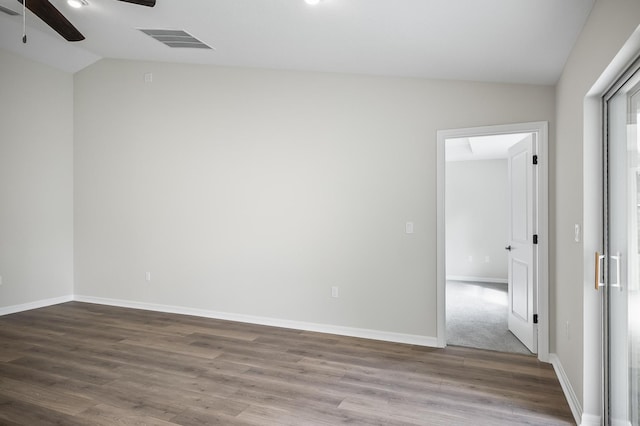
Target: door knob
508, 248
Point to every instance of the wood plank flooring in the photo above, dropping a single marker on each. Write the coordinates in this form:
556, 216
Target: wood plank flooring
86, 364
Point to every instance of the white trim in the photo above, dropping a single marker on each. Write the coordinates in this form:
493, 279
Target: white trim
616, 422
387, 336
592, 232
441, 261
591, 420
541, 128
34, 305
572, 399
477, 279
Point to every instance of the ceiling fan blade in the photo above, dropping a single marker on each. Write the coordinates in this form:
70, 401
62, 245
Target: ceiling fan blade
56, 20
148, 3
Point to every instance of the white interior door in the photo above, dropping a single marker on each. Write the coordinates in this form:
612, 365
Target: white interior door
623, 289
521, 272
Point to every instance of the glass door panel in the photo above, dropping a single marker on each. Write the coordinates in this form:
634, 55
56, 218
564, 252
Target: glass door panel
623, 295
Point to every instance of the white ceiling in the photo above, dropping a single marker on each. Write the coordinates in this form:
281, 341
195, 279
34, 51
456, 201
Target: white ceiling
519, 41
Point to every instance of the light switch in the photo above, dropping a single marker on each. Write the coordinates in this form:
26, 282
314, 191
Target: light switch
408, 227
576, 233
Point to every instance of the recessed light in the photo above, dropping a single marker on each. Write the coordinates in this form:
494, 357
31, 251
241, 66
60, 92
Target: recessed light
312, 2
77, 3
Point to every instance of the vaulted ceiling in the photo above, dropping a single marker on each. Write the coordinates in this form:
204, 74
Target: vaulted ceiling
516, 41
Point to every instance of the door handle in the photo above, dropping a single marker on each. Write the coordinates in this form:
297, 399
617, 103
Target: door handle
508, 248
616, 283
598, 281
598, 278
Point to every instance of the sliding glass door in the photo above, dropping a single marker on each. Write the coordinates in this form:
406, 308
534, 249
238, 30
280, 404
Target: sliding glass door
621, 259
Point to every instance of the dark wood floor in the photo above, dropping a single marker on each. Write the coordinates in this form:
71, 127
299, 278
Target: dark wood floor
79, 363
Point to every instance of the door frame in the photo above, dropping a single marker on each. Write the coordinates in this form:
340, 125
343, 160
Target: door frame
629, 77
541, 128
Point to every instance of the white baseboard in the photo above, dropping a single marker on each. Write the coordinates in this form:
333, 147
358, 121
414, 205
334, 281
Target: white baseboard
615, 422
591, 420
572, 399
34, 305
476, 279
411, 339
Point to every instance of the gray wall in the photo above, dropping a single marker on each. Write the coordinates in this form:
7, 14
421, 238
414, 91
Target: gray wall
254, 191
36, 181
476, 219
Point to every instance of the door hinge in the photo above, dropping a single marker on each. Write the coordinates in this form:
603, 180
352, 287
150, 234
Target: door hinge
535, 238
535, 318
535, 159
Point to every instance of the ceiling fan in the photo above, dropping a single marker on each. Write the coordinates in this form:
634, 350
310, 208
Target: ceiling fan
51, 16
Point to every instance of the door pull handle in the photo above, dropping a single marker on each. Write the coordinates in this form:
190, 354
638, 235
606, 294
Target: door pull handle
508, 248
598, 281
616, 283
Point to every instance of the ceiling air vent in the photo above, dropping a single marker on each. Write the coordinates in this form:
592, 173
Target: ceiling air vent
8, 11
176, 38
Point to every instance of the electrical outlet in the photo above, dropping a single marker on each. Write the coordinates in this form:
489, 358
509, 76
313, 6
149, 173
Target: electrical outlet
147, 276
335, 292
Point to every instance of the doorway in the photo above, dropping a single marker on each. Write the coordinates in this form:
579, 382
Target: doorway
472, 260
478, 244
